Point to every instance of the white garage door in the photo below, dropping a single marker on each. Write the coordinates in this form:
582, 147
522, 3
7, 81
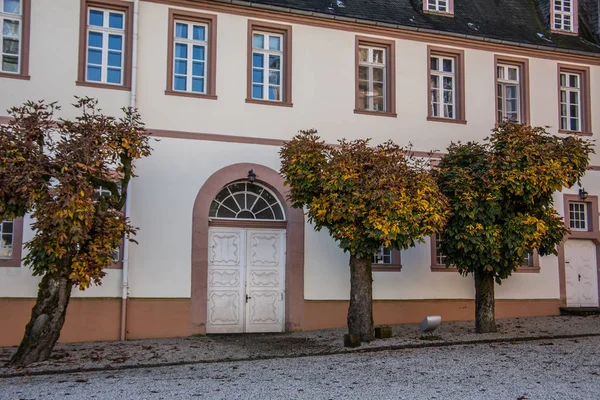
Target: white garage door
581, 273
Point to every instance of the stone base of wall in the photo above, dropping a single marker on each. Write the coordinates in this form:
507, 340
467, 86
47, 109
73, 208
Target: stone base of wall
333, 314
98, 319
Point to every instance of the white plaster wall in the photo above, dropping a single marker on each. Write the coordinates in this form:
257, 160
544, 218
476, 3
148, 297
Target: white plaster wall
323, 97
162, 203
323, 84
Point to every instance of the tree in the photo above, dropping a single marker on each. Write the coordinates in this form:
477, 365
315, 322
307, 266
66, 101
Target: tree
366, 196
52, 169
500, 195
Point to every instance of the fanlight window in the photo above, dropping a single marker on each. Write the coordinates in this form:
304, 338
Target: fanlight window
249, 201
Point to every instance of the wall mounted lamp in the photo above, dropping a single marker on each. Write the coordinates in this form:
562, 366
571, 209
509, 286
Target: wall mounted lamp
251, 176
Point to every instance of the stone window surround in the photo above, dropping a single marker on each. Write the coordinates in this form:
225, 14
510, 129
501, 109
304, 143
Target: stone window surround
390, 81
286, 79
459, 84
15, 260
24, 43
211, 65
117, 5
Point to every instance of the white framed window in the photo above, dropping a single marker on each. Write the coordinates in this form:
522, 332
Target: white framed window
570, 101
104, 191
249, 201
267, 66
11, 31
509, 92
440, 258
105, 53
383, 256
437, 5
442, 86
6, 239
578, 216
190, 56
372, 78
527, 260
564, 15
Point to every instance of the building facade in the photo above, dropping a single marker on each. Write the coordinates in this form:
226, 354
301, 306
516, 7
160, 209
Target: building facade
223, 84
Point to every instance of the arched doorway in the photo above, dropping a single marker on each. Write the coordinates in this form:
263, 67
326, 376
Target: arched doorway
247, 254
246, 261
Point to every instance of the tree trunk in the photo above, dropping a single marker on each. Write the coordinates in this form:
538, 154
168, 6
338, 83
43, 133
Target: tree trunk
47, 319
360, 312
484, 303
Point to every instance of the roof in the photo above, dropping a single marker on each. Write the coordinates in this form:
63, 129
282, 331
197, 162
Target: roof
517, 21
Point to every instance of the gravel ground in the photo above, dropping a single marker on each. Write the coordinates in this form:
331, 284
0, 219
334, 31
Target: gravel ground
214, 348
543, 369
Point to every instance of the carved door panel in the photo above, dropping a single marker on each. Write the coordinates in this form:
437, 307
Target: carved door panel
226, 280
581, 273
265, 280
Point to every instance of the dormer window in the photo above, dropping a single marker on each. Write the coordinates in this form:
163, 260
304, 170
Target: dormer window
564, 16
439, 6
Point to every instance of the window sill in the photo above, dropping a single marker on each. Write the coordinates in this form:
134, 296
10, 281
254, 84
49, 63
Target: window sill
578, 133
564, 32
115, 265
189, 94
386, 267
442, 268
375, 113
527, 270
10, 263
440, 13
102, 85
449, 120
270, 103
15, 76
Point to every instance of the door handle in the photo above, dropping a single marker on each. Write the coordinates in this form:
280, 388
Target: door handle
579, 277
247, 297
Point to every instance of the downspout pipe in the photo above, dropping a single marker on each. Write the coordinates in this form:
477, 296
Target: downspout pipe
132, 104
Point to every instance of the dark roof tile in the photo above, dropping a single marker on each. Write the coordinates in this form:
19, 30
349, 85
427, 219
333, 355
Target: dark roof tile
519, 21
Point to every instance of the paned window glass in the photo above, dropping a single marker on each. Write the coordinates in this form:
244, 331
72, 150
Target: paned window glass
563, 15
6, 239
440, 258
509, 93
11, 25
570, 101
383, 256
437, 5
527, 260
443, 86
267, 66
244, 200
371, 78
105, 46
190, 57
578, 216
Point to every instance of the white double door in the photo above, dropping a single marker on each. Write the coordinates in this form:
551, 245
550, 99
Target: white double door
581, 273
246, 281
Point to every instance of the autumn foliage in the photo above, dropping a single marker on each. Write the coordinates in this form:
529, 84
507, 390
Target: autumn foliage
366, 196
500, 194
53, 169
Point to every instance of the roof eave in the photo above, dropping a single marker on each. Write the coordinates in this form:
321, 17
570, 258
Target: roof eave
403, 27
